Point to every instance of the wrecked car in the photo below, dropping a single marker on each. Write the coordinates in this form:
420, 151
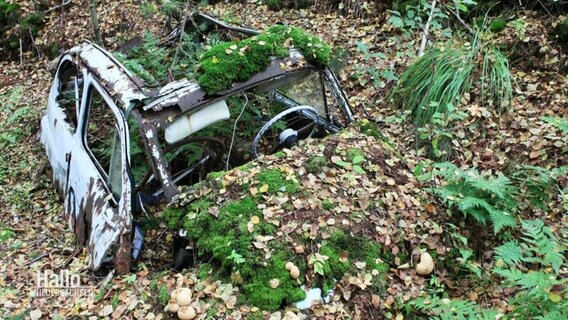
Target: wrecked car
120, 143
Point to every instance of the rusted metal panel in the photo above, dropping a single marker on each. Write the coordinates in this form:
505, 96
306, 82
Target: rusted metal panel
120, 83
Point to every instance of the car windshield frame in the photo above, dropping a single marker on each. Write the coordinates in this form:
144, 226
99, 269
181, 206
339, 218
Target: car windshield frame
153, 121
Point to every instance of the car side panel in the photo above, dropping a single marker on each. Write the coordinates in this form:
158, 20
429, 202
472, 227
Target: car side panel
99, 221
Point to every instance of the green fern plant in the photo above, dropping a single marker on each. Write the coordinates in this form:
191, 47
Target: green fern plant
485, 199
155, 63
534, 264
447, 309
560, 123
537, 185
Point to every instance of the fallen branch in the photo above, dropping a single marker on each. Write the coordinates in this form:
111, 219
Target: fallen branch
65, 4
426, 30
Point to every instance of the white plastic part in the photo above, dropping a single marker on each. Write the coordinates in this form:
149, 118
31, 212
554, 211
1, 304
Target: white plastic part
189, 124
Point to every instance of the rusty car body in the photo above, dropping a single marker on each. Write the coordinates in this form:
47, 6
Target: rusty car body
96, 105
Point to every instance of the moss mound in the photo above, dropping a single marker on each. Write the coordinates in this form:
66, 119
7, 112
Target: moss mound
242, 237
497, 25
231, 62
228, 237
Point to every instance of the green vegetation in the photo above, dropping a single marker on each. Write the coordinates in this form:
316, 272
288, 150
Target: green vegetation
485, 199
315, 164
441, 77
532, 264
164, 295
227, 63
276, 181
154, 63
228, 239
16, 26
562, 31
438, 134
6, 234
497, 25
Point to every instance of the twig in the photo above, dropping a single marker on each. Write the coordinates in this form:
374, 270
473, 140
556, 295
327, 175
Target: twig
33, 42
71, 257
456, 13
21, 53
234, 133
426, 30
65, 4
37, 259
180, 41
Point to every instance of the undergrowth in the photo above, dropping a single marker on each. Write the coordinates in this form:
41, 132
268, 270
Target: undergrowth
486, 199
442, 76
533, 265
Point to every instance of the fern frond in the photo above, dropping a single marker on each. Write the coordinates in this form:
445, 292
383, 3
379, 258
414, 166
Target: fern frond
510, 253
446, 309
501, 220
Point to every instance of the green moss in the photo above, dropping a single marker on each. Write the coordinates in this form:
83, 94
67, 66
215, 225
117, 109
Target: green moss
358, 248
212, 313
497, 25
276, 181
204, 270
334, 267
172, 217
216, 175
163, 295
327, 205
315, 164
258, 291
230, 62
220, 238
280, 154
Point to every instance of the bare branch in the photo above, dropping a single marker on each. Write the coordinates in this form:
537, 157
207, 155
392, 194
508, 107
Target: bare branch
426, 30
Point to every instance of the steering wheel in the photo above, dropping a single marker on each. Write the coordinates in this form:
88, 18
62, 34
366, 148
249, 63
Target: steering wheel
306, 111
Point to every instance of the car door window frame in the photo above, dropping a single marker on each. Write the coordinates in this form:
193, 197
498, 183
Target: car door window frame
120, 141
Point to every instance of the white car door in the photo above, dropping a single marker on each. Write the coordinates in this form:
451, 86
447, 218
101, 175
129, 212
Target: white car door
99, 181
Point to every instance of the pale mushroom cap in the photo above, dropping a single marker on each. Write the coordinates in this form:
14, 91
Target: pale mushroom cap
186, 313
184, 297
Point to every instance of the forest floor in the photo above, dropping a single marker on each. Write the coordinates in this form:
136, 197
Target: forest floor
34, 236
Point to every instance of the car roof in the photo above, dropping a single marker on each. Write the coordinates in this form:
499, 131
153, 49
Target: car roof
124, 86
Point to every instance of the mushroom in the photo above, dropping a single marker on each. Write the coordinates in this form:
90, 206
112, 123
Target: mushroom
426, 264
173, 295
172, 306
186, 313
289, 265
183, 297
294, 272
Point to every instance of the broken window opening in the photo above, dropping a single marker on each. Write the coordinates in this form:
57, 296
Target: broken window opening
70, 91
103, 141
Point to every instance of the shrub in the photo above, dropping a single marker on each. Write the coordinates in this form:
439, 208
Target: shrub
562, 31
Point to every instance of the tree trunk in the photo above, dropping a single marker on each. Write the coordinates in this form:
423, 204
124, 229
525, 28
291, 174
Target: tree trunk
95, 20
